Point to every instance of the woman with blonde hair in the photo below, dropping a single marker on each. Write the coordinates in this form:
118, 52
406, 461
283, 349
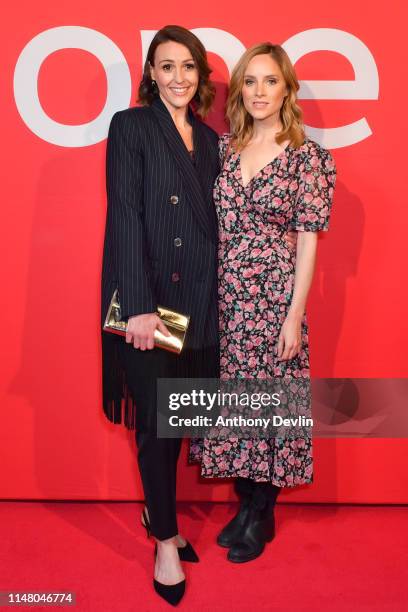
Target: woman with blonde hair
273, 179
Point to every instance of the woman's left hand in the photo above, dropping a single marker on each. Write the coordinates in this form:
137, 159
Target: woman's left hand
290, 338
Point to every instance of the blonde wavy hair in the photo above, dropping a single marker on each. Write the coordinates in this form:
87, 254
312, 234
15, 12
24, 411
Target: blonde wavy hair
241, 122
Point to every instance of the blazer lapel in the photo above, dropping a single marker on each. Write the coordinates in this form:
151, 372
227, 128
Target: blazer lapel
197, 188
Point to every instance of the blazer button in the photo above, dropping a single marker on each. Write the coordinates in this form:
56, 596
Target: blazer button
177, 242
175, 277
174, 199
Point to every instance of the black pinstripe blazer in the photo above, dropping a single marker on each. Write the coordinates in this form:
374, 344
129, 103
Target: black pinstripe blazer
161, 226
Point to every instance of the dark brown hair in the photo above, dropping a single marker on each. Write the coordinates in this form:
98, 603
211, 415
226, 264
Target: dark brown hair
204, 96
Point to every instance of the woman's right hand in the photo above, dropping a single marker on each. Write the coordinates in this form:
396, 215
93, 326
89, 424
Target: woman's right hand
141, 328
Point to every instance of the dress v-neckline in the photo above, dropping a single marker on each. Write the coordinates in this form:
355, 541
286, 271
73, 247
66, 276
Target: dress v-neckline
259, 171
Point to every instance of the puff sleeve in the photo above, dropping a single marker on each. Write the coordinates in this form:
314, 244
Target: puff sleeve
315, 193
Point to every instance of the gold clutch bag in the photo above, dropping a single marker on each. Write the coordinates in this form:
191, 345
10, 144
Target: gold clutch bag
176, 323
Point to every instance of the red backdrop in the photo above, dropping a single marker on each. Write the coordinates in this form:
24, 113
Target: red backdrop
55, 441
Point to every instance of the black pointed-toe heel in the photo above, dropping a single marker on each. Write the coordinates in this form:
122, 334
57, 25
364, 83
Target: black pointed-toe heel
185, 553
172, 593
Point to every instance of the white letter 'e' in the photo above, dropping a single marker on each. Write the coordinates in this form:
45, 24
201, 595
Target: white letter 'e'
364, 87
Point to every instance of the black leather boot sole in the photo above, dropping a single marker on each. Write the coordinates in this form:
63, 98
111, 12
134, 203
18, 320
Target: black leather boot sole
238, 556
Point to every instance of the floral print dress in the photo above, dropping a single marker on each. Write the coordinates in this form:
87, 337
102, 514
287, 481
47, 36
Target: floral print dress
256, 280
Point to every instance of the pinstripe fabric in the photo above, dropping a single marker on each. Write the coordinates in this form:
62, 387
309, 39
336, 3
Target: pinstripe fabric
155, 196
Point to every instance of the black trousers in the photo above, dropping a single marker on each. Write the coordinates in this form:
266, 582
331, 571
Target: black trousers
157, 457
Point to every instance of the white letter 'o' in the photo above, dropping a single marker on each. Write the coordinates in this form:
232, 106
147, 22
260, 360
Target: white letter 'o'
26, 84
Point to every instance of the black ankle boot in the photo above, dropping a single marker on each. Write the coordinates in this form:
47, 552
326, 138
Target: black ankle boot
233, 529
259, 527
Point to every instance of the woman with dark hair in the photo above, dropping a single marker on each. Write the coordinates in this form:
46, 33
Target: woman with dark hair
273, 178
160, 248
